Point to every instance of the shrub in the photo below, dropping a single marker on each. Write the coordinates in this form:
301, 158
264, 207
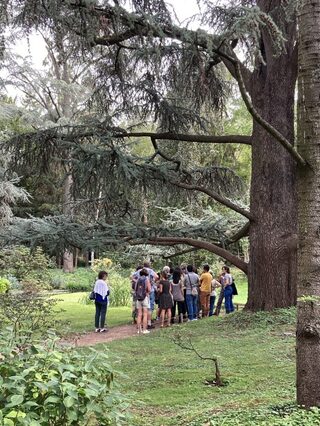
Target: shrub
101, 265
4, 285
20, 262
43, 385
74, 286
27, 314
120, 290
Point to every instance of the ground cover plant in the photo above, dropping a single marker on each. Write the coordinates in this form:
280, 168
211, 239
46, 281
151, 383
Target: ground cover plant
256, 354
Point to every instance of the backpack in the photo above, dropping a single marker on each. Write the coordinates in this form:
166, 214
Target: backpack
141, 289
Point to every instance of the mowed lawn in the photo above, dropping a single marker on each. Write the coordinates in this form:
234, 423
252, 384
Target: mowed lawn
166, 383
80, 316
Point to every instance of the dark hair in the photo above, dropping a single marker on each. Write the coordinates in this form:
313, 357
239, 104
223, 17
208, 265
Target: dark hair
102, 274
146, 264
206, 268
226, 268
190, 268
176, 275
144, 272
139, 267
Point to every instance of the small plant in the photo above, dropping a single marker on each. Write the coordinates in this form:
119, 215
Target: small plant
4, 285
185, 342
46, 386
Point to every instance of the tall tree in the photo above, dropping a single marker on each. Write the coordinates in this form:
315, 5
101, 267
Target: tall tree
154, 68
308, 327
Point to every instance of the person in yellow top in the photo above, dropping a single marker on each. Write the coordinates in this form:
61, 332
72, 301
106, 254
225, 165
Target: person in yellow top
205, 290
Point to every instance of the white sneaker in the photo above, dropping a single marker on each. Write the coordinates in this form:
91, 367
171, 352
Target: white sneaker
97, 330
145, 332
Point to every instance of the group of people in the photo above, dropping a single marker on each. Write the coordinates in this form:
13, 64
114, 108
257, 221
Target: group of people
180, 290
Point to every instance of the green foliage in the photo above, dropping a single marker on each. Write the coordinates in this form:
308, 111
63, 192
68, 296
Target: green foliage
81, 279
120, 290
4, 285
43, 385
279, 415
27, 314
29, 267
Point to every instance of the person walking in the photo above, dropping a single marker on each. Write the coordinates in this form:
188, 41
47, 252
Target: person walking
165, 299
191, 282
205, 290
142, 292
101, 291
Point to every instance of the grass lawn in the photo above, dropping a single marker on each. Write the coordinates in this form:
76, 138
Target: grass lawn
80, 316
256, 356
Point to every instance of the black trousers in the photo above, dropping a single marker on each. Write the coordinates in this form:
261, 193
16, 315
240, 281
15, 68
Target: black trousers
181, 309
101, 311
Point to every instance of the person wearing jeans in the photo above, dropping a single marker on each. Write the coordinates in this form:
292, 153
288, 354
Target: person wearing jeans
101, 291
191, 282
228, 290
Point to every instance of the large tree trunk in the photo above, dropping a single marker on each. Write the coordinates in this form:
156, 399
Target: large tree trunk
272, 266
308, 327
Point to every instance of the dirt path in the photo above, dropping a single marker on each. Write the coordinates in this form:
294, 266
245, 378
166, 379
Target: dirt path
114, 333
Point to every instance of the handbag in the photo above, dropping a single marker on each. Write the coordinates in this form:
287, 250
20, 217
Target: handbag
92, 296
234, 289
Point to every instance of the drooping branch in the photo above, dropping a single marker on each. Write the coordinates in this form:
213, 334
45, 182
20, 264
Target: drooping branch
168, 136
213, 248
222, 200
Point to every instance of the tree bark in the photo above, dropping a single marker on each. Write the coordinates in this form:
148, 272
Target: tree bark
308, 325
272, 266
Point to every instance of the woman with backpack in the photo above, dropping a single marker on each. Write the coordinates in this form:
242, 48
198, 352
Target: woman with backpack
165, 299
101, 291
142, 291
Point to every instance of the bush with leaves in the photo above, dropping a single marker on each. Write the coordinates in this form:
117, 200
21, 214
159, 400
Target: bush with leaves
29, 267
28, 314
103, 264
4, 285
43, 385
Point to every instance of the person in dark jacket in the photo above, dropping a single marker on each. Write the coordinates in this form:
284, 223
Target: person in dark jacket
102, 292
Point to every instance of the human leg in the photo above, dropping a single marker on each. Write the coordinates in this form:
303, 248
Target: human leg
173, 311
145, 312
103, 315
211, 303
228, 299
139, 317
195, 306
162, 315
97, 316
169, 317
189, 302
219, 303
